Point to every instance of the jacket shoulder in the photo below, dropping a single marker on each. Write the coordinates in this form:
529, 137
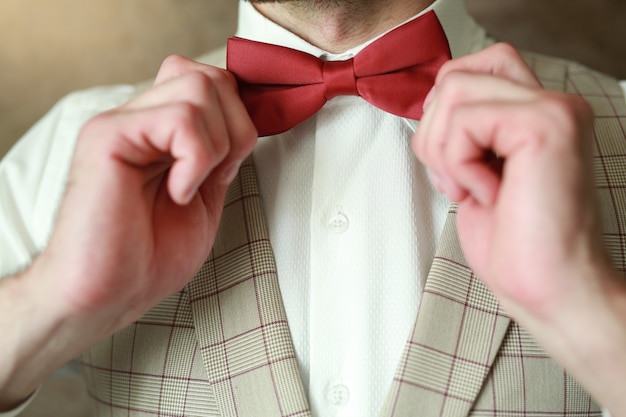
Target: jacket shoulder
606, 97
572, 77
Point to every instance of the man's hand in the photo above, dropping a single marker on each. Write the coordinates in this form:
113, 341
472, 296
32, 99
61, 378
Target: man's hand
139, 218
527, 220
524, 216
147, 189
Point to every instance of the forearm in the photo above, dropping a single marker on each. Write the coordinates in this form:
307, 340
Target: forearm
599, 359
588, 338
38, 335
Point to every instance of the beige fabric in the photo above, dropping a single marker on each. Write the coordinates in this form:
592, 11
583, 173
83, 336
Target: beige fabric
222, 346
239, 316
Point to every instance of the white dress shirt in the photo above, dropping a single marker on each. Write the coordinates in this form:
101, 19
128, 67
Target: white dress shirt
353, 220
354, 223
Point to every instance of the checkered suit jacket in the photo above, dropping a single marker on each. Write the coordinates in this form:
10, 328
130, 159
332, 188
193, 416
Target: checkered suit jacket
221, 347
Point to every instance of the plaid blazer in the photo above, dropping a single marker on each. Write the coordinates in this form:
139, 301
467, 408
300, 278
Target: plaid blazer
222, 347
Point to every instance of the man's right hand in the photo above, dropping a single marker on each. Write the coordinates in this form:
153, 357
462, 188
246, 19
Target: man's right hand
139, 218
146, 191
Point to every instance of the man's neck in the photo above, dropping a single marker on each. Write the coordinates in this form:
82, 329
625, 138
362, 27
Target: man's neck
338, 25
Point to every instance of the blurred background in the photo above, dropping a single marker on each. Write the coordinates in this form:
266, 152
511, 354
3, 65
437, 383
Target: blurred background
51, 47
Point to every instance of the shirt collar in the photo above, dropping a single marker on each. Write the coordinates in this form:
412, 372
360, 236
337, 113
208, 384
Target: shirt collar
464, 35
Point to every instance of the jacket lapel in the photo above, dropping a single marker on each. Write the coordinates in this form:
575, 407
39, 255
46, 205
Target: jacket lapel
456, 337
246, 345
239, 315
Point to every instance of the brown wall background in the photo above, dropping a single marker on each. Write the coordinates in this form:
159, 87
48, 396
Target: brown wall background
51, 47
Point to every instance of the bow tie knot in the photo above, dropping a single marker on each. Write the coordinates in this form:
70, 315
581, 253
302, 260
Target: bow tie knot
339, 79
282, 87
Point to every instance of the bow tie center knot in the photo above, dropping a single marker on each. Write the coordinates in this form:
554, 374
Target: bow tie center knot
339, 78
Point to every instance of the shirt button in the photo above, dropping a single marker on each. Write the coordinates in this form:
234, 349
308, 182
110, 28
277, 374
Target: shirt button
338, 395
338, 223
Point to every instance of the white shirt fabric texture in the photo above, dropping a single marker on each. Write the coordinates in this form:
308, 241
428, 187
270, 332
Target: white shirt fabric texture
354, 222
353, 219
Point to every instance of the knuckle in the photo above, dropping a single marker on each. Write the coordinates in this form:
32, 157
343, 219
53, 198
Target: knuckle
560, 108
209, 149
173, 66
185, 115
199, 81
200, 85
207, 157
238, 145
186, 111
446, 68
249, 136
216, 76
96, 125
564, 118
222, 75
220, 147
174, 62
452, 86
506, 51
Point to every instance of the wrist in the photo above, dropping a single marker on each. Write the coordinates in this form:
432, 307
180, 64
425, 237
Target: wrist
586, 334
40, 334
601, 358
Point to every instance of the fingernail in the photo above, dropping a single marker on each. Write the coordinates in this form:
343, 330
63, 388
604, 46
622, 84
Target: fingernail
230, 173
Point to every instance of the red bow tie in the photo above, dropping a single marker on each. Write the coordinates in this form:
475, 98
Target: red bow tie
282, 87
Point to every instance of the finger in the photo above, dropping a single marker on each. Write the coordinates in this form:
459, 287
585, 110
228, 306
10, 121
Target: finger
501, 60
240, 130
532, 137
226, 85
201, 96
194, 87
216, 91
176, 65
175, 132
469, 139
456, 90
